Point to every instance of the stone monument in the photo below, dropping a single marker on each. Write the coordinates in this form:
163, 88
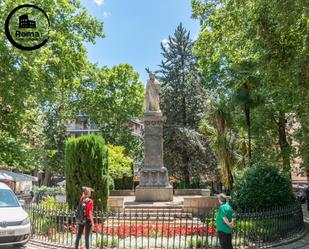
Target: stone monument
154, 184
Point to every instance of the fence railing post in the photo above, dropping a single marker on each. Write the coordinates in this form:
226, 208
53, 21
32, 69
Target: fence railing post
166, 228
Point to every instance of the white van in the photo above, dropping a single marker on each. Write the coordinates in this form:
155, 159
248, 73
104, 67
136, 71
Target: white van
14, 221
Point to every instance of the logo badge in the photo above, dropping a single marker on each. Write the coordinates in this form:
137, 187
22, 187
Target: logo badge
27, 27
3, 224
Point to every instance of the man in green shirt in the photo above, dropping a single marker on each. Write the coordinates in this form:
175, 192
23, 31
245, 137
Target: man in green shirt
224, 223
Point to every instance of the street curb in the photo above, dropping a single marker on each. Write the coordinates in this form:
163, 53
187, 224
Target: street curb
286, 242
37, 242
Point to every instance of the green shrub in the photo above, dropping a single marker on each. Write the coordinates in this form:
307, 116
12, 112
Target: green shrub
199, 243
49, 202
86, 164
153, 234
114, 243
44, 225
192, 243
44, 190
262, 186
111, 243
198, 183
126, 182
182, 185
120, 167
264, 228
104, 242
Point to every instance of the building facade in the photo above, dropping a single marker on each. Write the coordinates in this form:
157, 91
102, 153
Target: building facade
82, 125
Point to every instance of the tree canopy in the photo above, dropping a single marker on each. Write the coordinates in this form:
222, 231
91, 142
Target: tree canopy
41, 89
186, 152
254, 53
112, 97
34, 82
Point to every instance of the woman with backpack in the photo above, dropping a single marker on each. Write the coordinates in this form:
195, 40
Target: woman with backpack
84, 216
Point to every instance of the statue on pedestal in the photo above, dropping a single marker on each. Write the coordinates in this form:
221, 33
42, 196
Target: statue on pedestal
154, 184
152, 101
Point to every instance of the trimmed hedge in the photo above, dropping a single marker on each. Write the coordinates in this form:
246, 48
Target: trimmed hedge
86, 164
262, 186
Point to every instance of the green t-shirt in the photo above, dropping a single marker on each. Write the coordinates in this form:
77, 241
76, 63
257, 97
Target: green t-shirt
225, 210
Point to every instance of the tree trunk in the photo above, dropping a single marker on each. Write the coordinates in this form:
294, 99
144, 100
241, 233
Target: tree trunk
283, 143
184, 115
186, 170
307, 173
248, 124
47, 177
184, 109
230, 179
304, 141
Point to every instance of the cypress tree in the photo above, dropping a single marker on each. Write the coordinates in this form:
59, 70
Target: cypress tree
86, 164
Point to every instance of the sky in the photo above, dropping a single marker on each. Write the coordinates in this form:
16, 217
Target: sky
134, 30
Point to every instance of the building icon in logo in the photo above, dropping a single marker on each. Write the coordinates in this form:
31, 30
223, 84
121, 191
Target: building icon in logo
25, 23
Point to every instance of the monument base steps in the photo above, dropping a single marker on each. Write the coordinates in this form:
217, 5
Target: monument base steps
150, 194
165, 212
181, 209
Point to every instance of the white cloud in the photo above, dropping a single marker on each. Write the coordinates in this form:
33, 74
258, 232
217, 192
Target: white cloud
164, 42
99, 2
106, 14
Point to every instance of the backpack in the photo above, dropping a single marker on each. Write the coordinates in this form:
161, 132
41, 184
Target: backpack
301, 198
81, 211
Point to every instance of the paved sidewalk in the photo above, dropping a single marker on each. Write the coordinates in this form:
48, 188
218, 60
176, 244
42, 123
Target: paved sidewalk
32, 245
303, 243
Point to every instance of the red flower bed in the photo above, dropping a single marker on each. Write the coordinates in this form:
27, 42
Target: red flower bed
123, 231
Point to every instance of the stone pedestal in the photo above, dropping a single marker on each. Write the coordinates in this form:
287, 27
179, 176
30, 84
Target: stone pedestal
154, 184
154, 193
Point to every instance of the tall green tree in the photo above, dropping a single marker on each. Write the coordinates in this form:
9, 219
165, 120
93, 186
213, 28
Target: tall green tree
24, 149
270, 36
216, 127
112, 97
187, 153
54, 146
182, 96
182, 101
48, 76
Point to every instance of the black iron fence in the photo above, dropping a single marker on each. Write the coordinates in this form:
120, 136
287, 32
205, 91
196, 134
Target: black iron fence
171, 227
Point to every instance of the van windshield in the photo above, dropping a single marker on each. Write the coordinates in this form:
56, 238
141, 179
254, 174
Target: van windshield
8, 199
